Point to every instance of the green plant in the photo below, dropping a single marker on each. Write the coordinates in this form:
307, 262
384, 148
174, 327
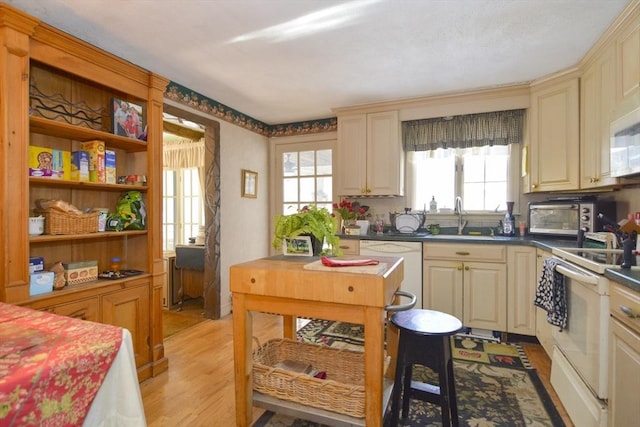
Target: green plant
312, 221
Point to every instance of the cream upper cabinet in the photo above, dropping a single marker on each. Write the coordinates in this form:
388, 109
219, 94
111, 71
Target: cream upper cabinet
544, 330
370, 156
597, 101
468, 282
555, 131
521, 289
628, 59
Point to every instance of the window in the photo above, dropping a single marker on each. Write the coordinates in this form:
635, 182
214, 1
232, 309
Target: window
479, 175
182, 207
304, 175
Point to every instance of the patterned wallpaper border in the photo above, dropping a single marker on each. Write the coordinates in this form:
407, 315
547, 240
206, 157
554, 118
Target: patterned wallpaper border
185, 96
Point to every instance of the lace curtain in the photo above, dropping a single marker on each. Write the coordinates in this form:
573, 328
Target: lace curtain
471, 130
185, 154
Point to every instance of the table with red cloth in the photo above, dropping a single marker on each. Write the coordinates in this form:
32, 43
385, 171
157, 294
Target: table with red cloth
52, 368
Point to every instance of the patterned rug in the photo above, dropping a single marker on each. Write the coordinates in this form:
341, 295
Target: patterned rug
495, 384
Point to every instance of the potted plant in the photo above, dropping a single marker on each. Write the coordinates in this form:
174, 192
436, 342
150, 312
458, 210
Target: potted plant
318, 223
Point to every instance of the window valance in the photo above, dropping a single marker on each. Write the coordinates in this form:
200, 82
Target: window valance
471, 130
183, 154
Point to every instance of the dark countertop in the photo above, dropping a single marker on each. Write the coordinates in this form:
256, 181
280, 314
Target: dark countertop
628, 278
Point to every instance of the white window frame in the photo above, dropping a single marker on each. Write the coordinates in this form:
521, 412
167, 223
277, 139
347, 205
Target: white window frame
183, 229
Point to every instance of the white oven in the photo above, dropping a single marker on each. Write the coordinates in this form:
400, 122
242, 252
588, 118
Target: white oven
579, 369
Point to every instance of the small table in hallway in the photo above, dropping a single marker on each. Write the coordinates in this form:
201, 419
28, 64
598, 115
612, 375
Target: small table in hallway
281, 285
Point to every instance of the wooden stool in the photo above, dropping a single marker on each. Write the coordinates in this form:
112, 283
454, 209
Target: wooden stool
425, 340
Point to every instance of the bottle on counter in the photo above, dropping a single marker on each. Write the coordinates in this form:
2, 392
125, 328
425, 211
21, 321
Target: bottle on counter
509, 223
116, 263
433, 205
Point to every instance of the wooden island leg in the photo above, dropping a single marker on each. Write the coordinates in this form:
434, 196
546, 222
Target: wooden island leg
242, 345
373, 365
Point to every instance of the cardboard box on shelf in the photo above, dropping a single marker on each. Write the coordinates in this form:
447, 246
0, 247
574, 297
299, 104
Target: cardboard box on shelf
49, 162
80, 166
41, 282
36, 264
110, 166
80, 272
96, 150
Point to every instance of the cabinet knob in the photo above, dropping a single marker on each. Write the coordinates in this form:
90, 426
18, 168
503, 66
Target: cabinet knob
466, 268
460, 267
534, 185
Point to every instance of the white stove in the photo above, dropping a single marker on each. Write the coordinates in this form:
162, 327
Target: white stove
594, 259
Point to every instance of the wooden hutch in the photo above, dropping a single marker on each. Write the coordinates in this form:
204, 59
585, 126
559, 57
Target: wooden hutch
56, 92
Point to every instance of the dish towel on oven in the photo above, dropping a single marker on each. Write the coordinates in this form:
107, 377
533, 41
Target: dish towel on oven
551, 293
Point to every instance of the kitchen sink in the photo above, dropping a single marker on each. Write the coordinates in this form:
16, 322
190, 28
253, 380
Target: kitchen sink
467, 237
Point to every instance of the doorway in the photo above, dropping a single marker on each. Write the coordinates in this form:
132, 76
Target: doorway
211, 201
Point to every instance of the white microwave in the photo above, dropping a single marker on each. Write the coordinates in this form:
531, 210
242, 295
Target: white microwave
625, 143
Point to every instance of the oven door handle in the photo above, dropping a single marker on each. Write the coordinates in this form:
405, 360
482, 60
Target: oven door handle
588, 279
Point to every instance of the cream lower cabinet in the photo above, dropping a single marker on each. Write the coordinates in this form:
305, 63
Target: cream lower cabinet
467, 281
370, 156
555, 135
624, 357
544, 330
521, 289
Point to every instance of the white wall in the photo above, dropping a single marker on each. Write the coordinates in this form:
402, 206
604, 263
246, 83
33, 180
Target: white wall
244, 222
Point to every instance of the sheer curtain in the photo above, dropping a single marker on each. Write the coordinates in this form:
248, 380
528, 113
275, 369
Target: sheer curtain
185, 154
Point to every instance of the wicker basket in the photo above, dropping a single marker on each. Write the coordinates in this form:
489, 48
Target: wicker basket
57, 221
342, 391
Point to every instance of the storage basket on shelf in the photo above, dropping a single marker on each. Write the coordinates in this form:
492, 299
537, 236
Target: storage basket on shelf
57, 221
342, 391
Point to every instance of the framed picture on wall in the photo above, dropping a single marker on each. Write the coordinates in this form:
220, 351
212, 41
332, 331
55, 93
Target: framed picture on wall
128, 120
249, 184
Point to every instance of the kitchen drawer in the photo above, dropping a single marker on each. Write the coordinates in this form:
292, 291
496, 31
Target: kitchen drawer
465, 252
350, 246
625, 297
85, 309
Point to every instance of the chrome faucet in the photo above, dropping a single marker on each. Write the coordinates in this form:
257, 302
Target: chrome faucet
458, 210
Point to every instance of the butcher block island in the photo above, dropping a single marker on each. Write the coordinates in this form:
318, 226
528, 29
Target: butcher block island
296, 287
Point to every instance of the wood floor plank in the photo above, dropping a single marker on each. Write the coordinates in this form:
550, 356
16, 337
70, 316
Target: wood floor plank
198, 388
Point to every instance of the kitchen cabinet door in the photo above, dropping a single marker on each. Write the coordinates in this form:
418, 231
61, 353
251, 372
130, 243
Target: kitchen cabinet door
485, 296
624, 356
129, 308
628, 60
370, 156
555, 130
597, 100
473, 292
442, 286
521, 290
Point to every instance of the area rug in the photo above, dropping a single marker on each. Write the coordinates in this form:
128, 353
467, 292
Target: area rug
495, 384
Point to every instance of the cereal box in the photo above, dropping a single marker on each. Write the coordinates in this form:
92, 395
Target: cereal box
49, 162
79, 166
95, 149
61, 164
110, 166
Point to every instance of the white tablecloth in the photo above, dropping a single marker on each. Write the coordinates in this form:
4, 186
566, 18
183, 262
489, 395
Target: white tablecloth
119, 402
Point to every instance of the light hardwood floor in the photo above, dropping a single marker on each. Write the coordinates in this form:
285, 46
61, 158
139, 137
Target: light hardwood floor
198, 388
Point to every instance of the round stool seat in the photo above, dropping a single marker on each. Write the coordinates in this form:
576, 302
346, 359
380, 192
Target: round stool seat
426, 322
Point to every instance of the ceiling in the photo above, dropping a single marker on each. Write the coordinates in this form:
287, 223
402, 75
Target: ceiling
283, 61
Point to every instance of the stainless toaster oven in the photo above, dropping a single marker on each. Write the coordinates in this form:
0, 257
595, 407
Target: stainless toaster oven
564, 216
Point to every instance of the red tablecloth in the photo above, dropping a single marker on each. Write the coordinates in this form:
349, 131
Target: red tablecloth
51, 366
